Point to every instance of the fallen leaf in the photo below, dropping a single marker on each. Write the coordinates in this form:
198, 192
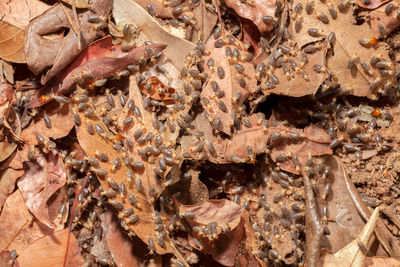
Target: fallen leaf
42, 178
254, 11
7, 260
380, 19
371, 4
154, 88
6, 71
58, 53
12, 43
51, 250
124, 251
346, 47
78, 3
226, 213
228, 83
8, 177
294, 81
206, 21
380, 261
19, 12
14, 217
61, 119
316, 143
10, 138
352, 255
344, 221
161, 10
126, 11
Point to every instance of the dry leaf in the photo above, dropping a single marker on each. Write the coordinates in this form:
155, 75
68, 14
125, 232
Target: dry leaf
294, 81
124, 251
61, 119
229, 83
126, 11
226, 214
19, 12
42, 178
9, 142
316, 143
6, 71
12, 43
254, 11
42, 52
380, 19
371, 4
51, 250
15, 215
154, 88
8, 177
346, 222
206, 21
353, 255
345, 47
380, 261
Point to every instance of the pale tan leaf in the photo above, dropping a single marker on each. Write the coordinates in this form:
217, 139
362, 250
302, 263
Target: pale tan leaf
12, 43
19, 12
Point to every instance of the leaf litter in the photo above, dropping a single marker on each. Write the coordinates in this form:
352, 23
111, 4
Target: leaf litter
188, 141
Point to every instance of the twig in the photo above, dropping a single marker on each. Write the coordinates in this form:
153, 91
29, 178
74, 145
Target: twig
314, 228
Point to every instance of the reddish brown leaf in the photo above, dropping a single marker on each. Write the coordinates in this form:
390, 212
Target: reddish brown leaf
51, 250
380, 19
42, 178
154, 88
371, 4
11, 43
61, 118
42, 52
8, 177
235, 94
316, 142
124, 251
254, 11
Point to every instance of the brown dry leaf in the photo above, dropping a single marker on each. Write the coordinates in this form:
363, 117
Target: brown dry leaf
298, 82
91, 144
193, 191
51, 250
352, 255
6, 71
346, 222
158, 90
12, 43
206, 21
254, 11
9, 142
226, 214
388, 22
78, 3
124, 251
127, 11
42, 52
229, 84
61, 119
20, 12
8, 177
316, 143
14, 217
371, 4
6, 259
380, 261
42, 178
161, 10
345, 47
105, 67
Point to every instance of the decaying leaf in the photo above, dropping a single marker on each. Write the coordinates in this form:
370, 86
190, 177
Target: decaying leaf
206, 21
354, 253
61, 119
44, 52
297, 76
124, 251
126, 11
345, 222
19, 12
8, 177
383, 24
42, 178
352, 45
51, 250
12, 43
229, 76
221, 214
254, 11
